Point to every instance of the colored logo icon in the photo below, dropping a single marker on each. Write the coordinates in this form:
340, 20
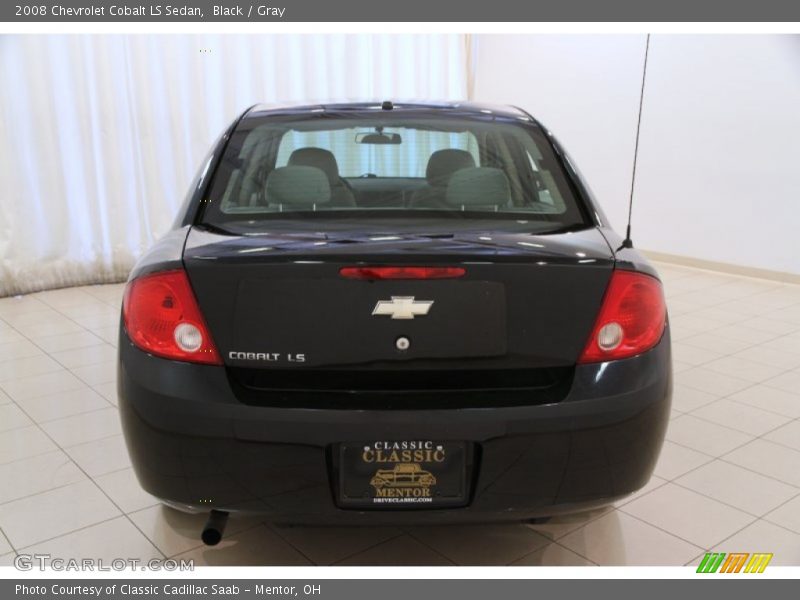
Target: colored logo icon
734, 562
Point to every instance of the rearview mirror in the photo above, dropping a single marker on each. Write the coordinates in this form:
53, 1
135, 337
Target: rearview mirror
378, 138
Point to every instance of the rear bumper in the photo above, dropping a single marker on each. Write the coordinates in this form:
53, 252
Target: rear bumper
192, 443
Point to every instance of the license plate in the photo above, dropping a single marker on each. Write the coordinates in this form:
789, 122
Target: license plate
402, 474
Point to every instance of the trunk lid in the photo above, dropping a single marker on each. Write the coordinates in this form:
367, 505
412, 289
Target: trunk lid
279, 302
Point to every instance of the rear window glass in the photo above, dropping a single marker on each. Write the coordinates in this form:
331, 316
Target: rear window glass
390, 165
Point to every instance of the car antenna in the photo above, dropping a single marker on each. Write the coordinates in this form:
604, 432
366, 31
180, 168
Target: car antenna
628, 242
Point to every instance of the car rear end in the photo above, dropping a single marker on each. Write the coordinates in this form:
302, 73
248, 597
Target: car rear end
279, 352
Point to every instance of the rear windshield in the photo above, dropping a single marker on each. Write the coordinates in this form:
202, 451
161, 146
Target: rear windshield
390, 165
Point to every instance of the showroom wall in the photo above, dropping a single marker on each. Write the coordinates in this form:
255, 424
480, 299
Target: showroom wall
100, 135
720, 133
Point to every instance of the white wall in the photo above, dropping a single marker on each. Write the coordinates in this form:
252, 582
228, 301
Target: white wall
719, 154
584, 88
717, 175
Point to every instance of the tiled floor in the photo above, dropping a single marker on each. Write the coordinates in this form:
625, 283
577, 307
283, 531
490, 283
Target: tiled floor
728, 478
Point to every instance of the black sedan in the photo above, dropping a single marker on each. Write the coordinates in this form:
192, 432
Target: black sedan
392, 313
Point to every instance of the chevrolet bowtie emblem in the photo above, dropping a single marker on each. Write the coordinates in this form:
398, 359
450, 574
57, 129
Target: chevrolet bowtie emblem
402, 307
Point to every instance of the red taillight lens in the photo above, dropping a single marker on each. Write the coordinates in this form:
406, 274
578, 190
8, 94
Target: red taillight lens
631, 320
372, 273
162, 317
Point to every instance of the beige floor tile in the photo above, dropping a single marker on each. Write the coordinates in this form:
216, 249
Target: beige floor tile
88, 309
692, 354
20, 304
102, 456
124, 490
768, 458
114, 539
7, 560
788, 435
23, 442
18, 349
18, 368
51, 514
553, 555
680, 367
107, 293
12, 417
108, 391
63, 404
5, 547
788, 344
771, 399
4, 398
741, 417
103, 372
399, 551
41, 316
705, 436
686, 399
64, 297
746, 334
94, 322
85, 427
688, 515
787, 515
762, 536
110, 335
752, 371
788, 382
327, 545
86, 356
768, 356
706, 380
67, 341
728, 317
174, 532
675, 460
790, 314
480, 544
738, 487
37, 474
256, 546
620, 539
716, 343
773, 325
25, 388
48, 327
9, 335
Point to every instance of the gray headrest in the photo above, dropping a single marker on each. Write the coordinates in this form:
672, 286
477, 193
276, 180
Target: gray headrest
319, 158
443, 163
297, 186
478, 186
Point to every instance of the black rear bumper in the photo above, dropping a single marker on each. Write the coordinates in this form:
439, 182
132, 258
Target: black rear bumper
192, 443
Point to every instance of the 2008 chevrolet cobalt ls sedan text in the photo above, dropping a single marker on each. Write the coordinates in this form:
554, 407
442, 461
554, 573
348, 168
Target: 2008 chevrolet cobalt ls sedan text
372, 313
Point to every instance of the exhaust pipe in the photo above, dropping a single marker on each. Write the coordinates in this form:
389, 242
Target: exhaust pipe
215, 527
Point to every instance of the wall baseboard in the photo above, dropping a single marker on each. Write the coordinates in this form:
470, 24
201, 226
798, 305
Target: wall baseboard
711, 265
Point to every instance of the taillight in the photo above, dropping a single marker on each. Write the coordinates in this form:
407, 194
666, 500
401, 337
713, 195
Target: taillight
371, 273
631, 320
162, 317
